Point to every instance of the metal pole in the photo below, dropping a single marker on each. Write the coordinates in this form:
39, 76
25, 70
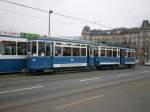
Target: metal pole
50, 11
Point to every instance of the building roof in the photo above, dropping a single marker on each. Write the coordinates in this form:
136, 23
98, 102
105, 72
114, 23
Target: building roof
117, 31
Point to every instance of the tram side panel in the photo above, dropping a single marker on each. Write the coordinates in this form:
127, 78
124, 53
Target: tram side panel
107, 57
69, 55
41, 57
130, 58
11, 64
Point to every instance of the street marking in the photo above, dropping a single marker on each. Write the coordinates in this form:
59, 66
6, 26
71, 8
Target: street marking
145, 71
79, 102
142, 84
90, 79
127, 74
23, 89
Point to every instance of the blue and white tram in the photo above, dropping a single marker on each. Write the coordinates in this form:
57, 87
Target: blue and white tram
51, 53
13, 52
130, 58
106, 56
113, 57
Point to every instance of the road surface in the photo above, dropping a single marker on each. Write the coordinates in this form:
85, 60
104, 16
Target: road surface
124, 90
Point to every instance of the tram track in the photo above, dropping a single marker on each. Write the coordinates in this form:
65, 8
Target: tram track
46, 77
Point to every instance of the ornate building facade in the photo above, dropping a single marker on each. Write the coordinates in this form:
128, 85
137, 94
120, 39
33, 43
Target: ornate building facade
137, 38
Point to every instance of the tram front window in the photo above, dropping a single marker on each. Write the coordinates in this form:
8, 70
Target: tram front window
21, 48
41, 48
9, 48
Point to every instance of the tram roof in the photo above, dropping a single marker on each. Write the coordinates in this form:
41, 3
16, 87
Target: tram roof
75, 40
72, 40
11, 38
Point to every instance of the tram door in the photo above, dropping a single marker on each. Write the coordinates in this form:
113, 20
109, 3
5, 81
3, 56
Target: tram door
122, 56
49, 53
90, 58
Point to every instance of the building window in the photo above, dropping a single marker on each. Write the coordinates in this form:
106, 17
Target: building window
21, 48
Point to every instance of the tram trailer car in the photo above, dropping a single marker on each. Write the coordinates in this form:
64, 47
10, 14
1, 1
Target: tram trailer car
111, 57
129, 57
12, 54
54, 53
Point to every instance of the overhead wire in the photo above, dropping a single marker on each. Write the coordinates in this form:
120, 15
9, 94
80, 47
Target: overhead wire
55, 13
26, 6
24, 14
29, 15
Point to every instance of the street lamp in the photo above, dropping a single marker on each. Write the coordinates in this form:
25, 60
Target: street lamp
50, 11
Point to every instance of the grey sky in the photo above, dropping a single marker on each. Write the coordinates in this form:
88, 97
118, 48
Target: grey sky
113, 13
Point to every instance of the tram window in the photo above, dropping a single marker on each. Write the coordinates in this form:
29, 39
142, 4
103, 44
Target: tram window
21, 48
58, 43
83, 51
66, 51
95, 52
129, 54
114, 53
133, 54
83, 45
0, 48
29, 48
58, 51
102, 52
48, 49
109, 53
9, 48
76, 52
34, 47
79, 45
119, 53
126, 54
91, 51
41, 47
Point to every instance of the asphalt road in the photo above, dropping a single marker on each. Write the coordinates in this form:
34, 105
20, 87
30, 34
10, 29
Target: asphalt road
124, 90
